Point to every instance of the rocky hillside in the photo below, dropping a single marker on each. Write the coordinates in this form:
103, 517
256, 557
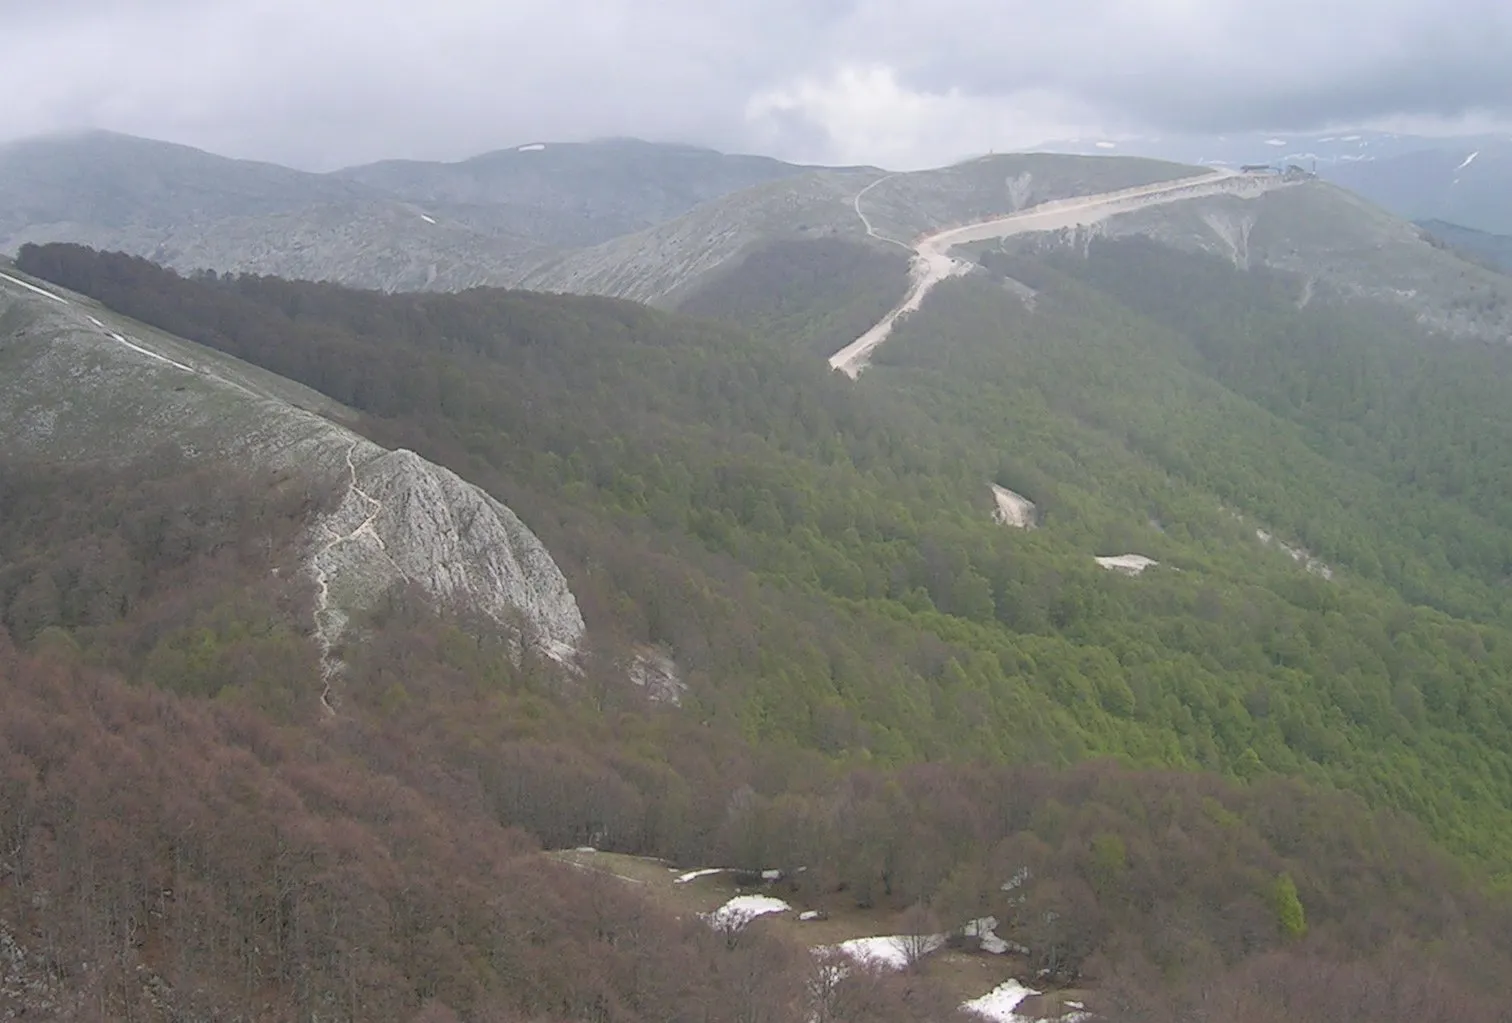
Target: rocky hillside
389, 226
575, 194
81, 384
665, 263
1337, 247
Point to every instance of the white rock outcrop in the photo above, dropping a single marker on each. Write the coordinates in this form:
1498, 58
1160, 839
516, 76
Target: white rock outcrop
1012, 509
1129, 564
406, 520
80, 384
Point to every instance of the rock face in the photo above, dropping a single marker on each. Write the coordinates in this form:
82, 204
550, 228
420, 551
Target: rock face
1012, 509
1128, 564
406, 520
80, 383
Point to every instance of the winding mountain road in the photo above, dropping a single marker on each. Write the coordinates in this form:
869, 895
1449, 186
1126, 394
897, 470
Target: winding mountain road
932, 262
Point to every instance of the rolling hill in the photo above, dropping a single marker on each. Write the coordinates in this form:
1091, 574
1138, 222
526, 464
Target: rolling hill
391, 226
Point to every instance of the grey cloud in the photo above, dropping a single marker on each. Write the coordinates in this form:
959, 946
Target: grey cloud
1216, 64
342, 81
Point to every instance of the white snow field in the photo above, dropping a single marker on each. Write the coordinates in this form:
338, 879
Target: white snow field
742, 909
932, 262
888, 952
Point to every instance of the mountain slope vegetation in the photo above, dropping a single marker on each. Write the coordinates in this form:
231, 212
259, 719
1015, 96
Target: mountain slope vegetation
822, 559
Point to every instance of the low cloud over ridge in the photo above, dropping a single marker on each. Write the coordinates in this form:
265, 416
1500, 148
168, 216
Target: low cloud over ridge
896, 82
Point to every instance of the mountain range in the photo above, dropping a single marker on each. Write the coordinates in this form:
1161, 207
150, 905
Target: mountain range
1112, 548
1456, 178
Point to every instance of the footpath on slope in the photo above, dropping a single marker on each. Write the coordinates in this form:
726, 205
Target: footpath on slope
932, 262
326, 632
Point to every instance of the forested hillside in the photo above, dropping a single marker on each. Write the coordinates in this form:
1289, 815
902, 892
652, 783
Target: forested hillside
163, 854
820, 559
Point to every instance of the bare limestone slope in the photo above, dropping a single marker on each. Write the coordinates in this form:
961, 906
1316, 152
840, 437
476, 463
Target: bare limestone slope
932, 262
79, 383
657, 264
1338, 246
663, 263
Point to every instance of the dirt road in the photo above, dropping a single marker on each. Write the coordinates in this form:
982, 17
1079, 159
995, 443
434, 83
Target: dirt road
932, 262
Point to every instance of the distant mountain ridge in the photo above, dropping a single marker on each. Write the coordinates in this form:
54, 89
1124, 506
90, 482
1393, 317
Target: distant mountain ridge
1496, 249
398, 225
579, 193
1458, 178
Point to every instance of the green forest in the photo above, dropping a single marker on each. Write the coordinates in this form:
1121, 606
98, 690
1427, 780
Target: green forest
903, 686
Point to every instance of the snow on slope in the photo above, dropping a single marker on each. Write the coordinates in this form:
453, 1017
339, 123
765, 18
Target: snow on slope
742, 909
998, 1004
888, 951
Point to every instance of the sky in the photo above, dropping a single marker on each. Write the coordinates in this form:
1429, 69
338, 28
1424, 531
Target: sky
320, 84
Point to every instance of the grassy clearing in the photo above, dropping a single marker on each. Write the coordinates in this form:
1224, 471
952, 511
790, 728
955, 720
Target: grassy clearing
965, 975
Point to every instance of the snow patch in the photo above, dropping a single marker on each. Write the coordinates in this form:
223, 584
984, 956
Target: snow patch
148, 352
534, 147
771, 875
888, 952
808, 914
1468, 160
742, 909
427, 219
1129, 564
999, 1003
694, 875
32, 287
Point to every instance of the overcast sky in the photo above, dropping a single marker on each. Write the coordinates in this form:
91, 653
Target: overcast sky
902, 83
